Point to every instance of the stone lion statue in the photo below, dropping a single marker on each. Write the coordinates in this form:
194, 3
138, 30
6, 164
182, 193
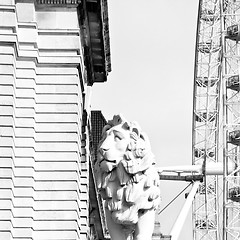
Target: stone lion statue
127, 180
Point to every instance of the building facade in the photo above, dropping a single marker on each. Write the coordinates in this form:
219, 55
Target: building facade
51, 54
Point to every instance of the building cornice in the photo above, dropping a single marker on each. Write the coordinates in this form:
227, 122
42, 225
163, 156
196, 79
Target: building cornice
94, 27
59, 2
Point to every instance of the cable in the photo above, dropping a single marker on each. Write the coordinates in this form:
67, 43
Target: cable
174, 198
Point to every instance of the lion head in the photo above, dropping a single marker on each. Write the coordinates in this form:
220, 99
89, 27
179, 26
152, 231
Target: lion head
125, 171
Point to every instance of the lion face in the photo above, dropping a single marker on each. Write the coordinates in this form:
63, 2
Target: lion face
123, 142
113, 145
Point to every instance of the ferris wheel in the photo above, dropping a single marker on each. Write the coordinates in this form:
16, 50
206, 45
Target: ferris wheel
216, 119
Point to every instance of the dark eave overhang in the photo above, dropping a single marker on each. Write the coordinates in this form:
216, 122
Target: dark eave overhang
94, 22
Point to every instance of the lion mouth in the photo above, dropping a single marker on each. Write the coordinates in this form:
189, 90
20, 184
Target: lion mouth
108, 160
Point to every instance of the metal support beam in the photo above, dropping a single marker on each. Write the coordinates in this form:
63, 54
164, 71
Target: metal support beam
187, 178
192, 172
176, 230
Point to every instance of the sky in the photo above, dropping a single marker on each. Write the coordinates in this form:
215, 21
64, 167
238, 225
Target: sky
152, 55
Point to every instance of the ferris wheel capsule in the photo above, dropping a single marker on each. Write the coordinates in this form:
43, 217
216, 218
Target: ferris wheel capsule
233, 32
233, 83
234, 194
234, 137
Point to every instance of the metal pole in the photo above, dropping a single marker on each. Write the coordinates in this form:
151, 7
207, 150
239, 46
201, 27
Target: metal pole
176, 230
211, 168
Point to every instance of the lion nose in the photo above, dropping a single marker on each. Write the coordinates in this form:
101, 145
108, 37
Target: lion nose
103, 151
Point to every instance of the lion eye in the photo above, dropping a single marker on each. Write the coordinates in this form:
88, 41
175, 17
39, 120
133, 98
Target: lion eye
117, 137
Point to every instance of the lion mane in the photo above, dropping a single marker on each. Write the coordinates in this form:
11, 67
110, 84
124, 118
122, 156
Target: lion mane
129, 185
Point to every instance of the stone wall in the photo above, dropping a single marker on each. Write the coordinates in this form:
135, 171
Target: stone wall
43, 143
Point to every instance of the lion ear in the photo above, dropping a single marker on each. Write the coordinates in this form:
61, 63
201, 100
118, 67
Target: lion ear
117, 119
135, 134
135, 130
